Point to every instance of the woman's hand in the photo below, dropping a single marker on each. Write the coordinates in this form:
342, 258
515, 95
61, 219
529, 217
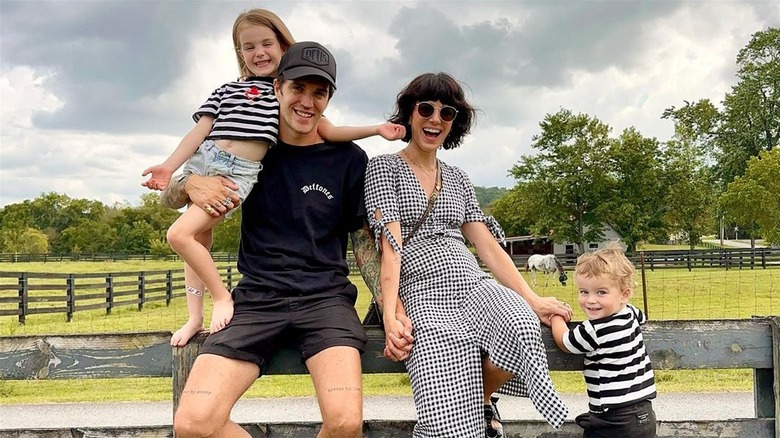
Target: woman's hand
214, 194
398, 337
546, 307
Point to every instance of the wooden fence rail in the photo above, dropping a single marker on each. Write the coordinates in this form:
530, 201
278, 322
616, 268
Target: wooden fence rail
748, 343
39, 293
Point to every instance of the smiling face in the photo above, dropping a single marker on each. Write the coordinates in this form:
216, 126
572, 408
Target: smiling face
301, 104
259, 49
601, 296
428, 133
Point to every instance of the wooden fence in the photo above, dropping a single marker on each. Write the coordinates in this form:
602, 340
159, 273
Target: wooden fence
747, 258
37, 293
722, 344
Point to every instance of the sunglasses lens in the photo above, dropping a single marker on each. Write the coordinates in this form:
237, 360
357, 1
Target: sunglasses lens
447, 113
425, 109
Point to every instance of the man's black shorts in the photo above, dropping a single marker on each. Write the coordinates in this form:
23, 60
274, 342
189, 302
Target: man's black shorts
309, 323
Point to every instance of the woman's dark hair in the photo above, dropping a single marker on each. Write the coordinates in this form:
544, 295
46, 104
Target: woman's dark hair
433, 87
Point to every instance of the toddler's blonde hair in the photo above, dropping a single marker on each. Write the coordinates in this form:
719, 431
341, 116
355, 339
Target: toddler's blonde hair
610, 261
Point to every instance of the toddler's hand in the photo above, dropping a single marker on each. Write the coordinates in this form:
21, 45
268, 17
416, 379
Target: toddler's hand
221, 315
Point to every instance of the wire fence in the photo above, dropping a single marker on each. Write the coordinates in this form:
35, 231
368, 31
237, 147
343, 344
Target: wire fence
671, 285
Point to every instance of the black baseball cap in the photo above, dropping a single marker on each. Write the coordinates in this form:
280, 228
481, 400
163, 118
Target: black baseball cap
308, 58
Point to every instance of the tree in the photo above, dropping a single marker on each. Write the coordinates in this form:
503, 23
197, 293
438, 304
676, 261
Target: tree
89, 236
566, 178
635, 207
690, 197
749, 121
760, 186
515, 211
28, 241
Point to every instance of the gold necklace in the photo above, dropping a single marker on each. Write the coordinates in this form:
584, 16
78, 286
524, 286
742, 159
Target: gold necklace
429, 171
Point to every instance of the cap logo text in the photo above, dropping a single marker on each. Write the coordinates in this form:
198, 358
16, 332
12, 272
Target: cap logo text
315, 55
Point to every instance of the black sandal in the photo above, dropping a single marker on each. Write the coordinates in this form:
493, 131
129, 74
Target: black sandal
491, 415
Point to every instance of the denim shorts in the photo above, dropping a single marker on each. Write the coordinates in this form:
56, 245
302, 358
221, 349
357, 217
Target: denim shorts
210, 160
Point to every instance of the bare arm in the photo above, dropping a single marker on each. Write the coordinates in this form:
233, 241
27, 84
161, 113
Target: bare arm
388, 131
368, 261
502, 267
161, 173
559, 330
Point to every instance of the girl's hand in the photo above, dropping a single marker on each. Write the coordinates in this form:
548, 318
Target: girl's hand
391, 131
161, 177
221, 315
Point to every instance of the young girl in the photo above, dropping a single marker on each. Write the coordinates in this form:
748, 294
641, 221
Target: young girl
233, 131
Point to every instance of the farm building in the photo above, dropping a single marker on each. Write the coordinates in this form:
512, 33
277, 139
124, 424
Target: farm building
526, 245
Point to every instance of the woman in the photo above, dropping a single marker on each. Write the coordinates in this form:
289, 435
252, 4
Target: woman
468, 328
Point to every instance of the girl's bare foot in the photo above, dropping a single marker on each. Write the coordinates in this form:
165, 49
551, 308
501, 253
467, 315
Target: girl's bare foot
186, 332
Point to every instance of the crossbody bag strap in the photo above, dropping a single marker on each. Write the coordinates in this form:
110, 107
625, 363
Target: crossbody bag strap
431, 201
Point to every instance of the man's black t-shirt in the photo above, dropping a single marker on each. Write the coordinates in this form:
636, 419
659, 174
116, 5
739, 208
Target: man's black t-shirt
296, 220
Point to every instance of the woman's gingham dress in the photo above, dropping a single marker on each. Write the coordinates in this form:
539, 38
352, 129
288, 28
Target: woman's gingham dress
458, 311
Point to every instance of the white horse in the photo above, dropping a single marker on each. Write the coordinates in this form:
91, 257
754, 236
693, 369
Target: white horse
547, 264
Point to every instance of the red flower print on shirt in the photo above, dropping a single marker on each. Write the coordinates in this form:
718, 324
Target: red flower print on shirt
252, 93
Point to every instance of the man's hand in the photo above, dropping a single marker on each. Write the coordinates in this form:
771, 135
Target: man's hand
391, 131
214, 194
161, 177
398, 338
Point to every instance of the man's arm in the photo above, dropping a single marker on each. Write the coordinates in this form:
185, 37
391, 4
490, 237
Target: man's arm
368, 261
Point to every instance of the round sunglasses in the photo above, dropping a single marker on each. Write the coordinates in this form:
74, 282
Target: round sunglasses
446, 113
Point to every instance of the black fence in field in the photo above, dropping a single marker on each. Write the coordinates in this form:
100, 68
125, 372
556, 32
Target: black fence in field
747, 258
29, 293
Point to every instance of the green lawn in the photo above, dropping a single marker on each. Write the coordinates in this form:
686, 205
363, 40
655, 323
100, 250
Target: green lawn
672, 294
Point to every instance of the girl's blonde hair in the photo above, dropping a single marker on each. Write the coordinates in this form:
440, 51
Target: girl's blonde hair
610, 261
260, 17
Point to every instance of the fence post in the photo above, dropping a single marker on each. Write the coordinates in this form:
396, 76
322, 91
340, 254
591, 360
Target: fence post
109, 293
763, 258
23, 297
168, 287
688, 255
141, 290
229, 278
644, 283
71, 300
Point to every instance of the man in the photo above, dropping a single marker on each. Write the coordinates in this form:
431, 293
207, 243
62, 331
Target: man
295, 290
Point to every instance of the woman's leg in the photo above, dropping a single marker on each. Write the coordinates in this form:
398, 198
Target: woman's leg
445, 373
183, 238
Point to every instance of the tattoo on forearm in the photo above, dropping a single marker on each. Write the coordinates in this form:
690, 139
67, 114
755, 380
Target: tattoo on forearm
345, 389
368, 260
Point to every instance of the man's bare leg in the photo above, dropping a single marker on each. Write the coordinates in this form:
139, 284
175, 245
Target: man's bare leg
214, 386
336, 372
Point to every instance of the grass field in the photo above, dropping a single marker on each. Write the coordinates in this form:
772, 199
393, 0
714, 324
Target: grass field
671, 294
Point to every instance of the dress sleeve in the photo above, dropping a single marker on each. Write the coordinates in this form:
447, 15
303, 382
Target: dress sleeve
474, 212
382, 196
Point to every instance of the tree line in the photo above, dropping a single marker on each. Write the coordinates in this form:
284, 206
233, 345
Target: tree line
720, 171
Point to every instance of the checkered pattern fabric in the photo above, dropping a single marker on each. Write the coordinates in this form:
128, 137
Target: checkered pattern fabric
459, 312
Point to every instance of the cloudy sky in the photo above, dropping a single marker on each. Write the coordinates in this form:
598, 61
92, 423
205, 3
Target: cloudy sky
93, 92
